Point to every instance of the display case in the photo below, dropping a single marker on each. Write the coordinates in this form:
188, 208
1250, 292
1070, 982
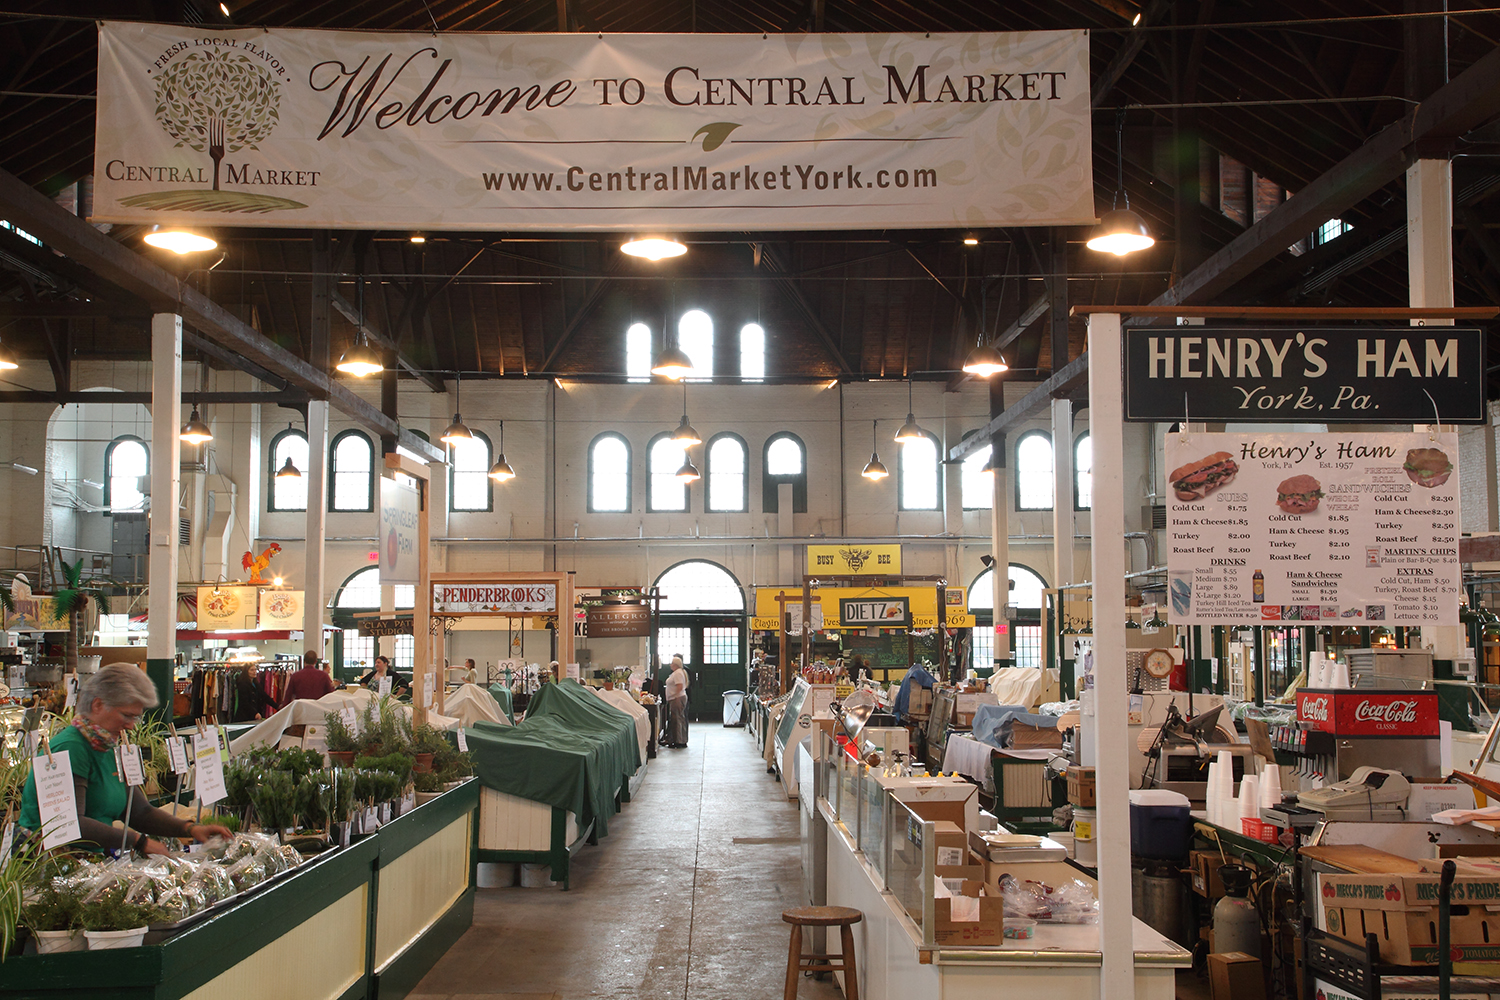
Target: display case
808, 708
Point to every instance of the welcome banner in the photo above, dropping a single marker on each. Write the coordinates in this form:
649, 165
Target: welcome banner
365, 130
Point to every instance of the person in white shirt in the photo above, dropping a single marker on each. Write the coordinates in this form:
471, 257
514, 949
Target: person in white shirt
677, 702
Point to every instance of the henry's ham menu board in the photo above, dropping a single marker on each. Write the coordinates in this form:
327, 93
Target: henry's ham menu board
1349, 529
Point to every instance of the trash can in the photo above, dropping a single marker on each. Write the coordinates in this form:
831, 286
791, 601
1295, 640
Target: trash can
734, 708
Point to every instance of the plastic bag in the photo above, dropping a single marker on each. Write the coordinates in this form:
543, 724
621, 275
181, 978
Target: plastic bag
1072, 902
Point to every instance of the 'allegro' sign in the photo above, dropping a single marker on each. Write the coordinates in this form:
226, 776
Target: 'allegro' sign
494, 599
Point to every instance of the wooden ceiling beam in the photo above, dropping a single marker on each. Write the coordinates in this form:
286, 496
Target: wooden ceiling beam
364, 324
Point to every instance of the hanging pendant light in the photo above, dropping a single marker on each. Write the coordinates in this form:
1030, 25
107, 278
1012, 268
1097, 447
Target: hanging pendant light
7, 363
360, 360
685, 435
1120, 231
501, 472
985, 361
195, 431
909, 431
689, 472
179, 240
653, 248
456, 432
288, 471
874, 469
672, 363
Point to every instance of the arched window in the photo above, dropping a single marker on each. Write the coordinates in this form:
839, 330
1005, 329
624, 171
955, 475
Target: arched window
638, 353
351, 472
1026, 595
609, 473
917, 466
469, 483
665, 457
361, 592
784, 461
695, 335
752, 352
126, 462
289, 493
728, 485
1083, 472
1034, 471
977, 485
699, 585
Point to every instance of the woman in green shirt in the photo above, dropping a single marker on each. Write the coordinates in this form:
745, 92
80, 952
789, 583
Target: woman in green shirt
110, 702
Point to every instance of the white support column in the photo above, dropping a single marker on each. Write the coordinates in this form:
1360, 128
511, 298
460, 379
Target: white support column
1062, 492
315, 592
166, 479
1000, 550
1429, 262
1111, 734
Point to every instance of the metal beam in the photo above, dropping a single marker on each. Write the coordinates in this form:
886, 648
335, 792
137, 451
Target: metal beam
778, 268
590, 304
73, 310
286, 398
1470, 100
1063, 381
31, 210
378, 336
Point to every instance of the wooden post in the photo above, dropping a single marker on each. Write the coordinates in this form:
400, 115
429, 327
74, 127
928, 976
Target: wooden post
424, 688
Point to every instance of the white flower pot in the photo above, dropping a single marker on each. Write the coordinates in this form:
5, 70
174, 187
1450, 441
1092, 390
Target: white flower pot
105, 940
55, 942
425, 797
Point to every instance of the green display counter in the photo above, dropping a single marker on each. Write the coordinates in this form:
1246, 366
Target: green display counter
366, 921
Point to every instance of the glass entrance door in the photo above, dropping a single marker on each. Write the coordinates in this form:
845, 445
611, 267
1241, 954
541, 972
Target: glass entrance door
712, 648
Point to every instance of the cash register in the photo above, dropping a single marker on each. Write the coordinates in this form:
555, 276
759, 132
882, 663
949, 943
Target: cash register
1370, 794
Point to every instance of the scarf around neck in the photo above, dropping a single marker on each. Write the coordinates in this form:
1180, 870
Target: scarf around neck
99, 738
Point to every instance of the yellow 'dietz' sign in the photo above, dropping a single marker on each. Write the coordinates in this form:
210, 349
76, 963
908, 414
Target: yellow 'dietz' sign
854, 560
923, 602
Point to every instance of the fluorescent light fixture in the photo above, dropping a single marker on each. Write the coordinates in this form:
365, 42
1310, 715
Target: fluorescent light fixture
23, 468
971, 240
653, 248
418, 238
178, 240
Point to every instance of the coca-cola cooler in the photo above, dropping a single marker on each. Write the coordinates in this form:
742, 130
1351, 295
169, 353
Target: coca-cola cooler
1349, 729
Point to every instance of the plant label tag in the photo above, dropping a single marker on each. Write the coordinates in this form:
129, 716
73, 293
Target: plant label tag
463, 741
209, 779
385, 813
56, 804
72, 687
177, 752
33, 743
131, 770
372, 820
6, 840
383, 689
351, 720
223, 738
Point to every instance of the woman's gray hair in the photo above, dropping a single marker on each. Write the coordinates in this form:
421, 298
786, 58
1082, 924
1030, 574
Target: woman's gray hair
118, 684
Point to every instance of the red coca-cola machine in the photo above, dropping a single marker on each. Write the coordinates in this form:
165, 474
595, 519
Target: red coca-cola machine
1341, 730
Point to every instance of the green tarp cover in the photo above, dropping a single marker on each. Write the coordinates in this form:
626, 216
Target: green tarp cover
572, 751
501, 694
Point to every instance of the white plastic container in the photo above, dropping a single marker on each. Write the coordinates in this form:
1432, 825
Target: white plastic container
107, 940
56, 942
1085, 832
536, 877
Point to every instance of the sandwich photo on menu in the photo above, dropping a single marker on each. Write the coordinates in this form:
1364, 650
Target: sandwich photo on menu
1299, 495
1428, 467
1196, 480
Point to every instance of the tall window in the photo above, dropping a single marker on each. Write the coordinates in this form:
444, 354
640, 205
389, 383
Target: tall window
1025, 592
126, 462
404, 656
290, 493
469, 483
1034, 471
351, 473
359, 650
785, 461
667, 492
609, 473
752, 352
695, 335
977, 486
1083, 472
918, 468
728, 488
638, 353
361, 592
700, 585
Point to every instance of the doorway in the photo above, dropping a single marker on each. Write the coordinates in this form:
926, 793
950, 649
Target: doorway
702, 620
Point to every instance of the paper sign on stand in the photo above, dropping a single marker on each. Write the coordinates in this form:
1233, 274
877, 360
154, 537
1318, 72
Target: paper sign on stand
210, 769
573, 671
177, 753
351, 720
463, 741
384, 687
72, 688
56, 805
129, 758
7, 839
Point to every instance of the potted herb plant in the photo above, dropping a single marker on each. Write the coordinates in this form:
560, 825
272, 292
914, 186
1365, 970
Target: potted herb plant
342, 743
111, 920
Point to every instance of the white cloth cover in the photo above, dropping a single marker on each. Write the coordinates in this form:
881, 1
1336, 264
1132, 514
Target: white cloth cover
966, 755
305, 712
627, 704
1018, 686
472, 703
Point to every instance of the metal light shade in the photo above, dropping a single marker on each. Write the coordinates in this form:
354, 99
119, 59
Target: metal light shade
653, 248
288, 471
7, 363
195, 431
910, 431
456, 432
360, 361
874, 469
672, 363
501, 472
179, 241
689, 472
985, 361
1120, 232
685, 435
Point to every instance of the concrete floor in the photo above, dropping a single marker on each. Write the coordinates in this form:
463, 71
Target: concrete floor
683, 899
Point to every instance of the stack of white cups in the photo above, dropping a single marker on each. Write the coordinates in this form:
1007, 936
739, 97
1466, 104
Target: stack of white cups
1249, 799
1317, 671
1340, 678
1270, 786
1211, 793
1225, 812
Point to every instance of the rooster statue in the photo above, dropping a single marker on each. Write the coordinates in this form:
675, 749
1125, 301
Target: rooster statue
258, 564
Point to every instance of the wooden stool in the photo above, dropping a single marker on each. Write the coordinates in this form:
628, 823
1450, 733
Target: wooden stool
799, 961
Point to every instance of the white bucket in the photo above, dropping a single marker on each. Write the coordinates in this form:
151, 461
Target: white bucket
497, 876
106, 940
56, 942
536, 877
1085, 832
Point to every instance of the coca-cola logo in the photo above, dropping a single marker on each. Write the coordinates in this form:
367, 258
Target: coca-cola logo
1315, 709
1390, 711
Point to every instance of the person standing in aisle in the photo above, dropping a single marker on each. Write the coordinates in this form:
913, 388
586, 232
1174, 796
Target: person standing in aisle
677, 703
311, 682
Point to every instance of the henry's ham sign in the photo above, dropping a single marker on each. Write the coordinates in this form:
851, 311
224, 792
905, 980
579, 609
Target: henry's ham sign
1399, 714
494, 598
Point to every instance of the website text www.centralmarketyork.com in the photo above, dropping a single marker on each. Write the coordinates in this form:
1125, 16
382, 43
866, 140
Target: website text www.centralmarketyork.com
792, 177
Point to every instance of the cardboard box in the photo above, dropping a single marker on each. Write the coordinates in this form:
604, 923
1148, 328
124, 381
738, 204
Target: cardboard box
941, 802
1024, 736
919, 702
1402, 912
951, 847
1409, 988
1205, 866
1081, 787
1234, 975
988, 929
1428, 799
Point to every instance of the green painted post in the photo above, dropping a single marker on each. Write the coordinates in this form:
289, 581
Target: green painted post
160, 672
